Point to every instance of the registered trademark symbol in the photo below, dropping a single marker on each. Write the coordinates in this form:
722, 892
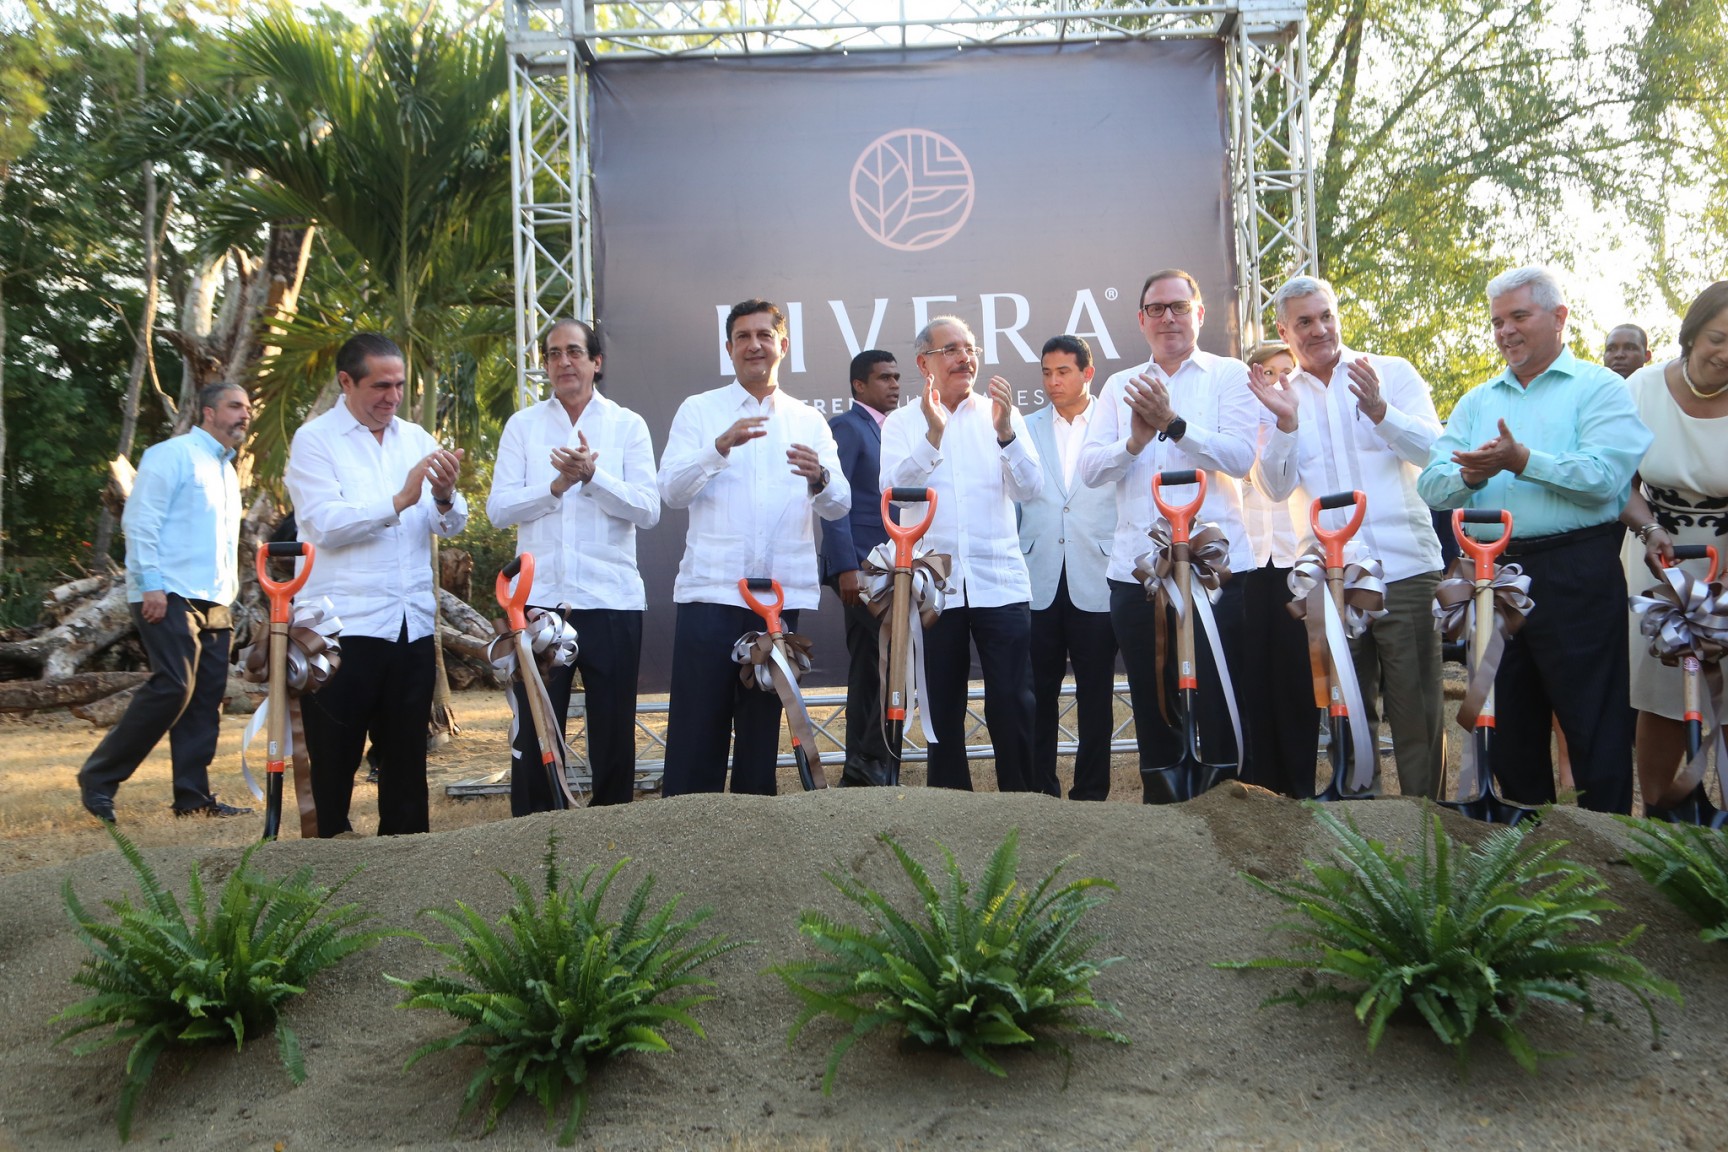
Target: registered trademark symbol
1110, 293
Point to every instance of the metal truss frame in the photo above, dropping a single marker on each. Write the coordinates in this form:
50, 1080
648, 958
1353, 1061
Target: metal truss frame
552, 43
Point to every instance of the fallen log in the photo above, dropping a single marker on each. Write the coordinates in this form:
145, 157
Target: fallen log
84, 688
106, 712
64, 648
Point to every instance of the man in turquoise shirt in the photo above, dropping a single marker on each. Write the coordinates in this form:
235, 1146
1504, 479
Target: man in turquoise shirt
182, 526
1554, 440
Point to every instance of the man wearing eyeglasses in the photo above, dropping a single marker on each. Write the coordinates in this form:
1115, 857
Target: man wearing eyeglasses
575, 474
973, 450
1184, 408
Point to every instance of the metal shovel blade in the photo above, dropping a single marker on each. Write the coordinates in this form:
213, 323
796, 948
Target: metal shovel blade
1341, 752
1487, 805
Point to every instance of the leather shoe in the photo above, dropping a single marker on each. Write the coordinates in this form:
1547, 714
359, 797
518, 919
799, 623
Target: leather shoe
215, 810
98, 805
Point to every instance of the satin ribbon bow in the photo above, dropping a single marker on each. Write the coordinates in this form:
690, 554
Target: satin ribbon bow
930, 588
764, 665
314, 654
1686, 621
1330, 632
552, 641
1209, 567
1455, 616
550, 638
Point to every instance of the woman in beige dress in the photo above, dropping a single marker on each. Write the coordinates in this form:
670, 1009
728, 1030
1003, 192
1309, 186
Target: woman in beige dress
1680, 496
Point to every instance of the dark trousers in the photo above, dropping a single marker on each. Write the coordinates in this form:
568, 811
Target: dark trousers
710, 706
182, 700
867, 757
1061, 635
608, 654
1278, 687
1003, 637
385, 687
1569, 659
1134, 620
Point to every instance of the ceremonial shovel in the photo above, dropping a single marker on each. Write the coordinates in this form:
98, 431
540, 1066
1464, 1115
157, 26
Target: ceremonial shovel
900, 609
1701, 810
1341, 750
281, 596
515, 603
1190, 776
810, 773
1487, 804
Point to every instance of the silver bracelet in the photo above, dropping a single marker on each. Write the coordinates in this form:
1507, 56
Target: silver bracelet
1643, 532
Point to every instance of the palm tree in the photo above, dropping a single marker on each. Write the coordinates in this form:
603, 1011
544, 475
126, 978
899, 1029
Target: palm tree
393, 142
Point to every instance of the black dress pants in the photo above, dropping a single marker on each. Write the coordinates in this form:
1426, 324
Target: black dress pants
1062, 635
867, 757
182, 700
608, 654
1003, 637
1134, 619
1569, 659
1280, 716
710, 707
385, 687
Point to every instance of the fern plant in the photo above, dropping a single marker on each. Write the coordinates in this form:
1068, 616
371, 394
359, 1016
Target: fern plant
1468, 937
161, 979
555, 988
1689, 864
999, 968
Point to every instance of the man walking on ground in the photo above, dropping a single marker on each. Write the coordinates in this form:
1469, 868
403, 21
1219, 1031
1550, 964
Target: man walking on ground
845, 543
751, 464
1347, 420
182, 525
1065, 535
1555, 441
575, 474
973, 451
369, 491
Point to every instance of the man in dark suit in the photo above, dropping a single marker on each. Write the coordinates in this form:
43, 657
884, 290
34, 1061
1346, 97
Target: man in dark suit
845, 544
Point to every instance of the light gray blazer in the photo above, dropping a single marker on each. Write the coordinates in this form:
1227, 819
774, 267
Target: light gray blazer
1066, 527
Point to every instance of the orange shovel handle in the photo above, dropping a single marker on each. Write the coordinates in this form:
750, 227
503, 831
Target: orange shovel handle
281, 592
515, 601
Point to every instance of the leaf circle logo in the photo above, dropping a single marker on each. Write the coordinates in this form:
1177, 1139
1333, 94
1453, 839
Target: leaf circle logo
912, 189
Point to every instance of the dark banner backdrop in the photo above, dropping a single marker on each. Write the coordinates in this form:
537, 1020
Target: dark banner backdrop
1028, 190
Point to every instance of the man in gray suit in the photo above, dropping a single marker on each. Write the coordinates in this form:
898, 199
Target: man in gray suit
1065, 533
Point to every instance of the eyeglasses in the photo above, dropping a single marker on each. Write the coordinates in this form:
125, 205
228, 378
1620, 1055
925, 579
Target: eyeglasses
569, 352
1156, 310
954, 351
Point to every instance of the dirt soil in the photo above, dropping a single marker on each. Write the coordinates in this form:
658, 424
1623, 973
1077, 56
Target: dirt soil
1208, 1067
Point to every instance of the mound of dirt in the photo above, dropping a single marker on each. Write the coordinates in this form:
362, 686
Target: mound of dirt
1208, 1067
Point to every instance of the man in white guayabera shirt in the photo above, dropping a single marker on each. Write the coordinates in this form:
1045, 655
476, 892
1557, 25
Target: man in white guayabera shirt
1184, 408
973, 450
369, 490
575, 474
1348, 421
751, 464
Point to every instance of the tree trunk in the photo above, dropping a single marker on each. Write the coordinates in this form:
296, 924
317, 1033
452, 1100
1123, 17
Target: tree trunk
64, 648
142, 351
3, 471
27, 695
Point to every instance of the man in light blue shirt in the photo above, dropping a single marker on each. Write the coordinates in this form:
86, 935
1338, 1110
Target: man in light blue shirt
1554, 440
182, 525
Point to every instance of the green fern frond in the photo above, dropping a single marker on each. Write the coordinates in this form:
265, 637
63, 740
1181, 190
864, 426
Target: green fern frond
553, 988
162, 980
1467, 936
968, 970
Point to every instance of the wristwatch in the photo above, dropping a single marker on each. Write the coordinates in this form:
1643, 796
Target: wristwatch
1174, 430
820, 483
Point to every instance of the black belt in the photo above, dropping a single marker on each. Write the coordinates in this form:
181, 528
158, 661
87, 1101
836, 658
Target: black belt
1531, 545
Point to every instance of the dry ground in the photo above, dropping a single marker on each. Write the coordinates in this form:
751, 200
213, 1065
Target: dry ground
1208, 1068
